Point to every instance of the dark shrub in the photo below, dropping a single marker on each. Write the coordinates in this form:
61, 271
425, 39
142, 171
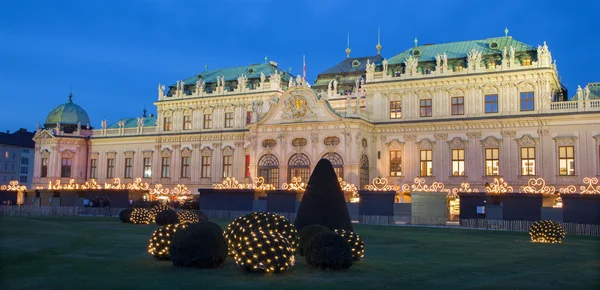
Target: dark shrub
265, 252
187, 216
157, 209
199, 245
356, 244
307, 233
140, 216
546, 231
243, 226
125, 215
159, 243
329, 250
323, 201
166, 217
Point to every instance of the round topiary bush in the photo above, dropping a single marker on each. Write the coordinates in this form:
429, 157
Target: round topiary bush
259, 221
140, 216
199, 245
157, 209
125, 215
187, 216
160, 241
265, 252
166, 217
329, 250
307, 233
356, 243
546, 232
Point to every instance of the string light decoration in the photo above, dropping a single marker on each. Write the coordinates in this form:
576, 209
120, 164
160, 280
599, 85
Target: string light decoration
116, 184
546, 231
296, 184
265, 252
537, 185
380, 184
141, 216
138, 185
13, 185
356, 243
91, 184
157, 209
498, 186
242, 227
186, 216
591, 186
159, 243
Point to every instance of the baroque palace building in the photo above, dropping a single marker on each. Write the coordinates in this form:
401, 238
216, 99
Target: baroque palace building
467, 111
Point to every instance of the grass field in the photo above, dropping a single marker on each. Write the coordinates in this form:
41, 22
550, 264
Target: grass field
101, 253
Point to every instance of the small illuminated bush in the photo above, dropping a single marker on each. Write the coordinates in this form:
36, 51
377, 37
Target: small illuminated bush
166, 217
199, 245
243, 227
157, 209
356, 243
307, 233
265, 252
140, 216
328, 250
125, 215
187, 216
160, 241
546, 232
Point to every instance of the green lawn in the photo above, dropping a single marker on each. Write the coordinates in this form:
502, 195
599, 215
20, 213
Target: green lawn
102, 253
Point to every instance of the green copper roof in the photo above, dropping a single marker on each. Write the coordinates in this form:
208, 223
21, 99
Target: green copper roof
231, 74
67, 114
132, 122
461, 48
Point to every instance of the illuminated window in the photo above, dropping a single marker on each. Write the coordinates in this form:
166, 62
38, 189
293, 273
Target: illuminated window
187, 122
527, 160
168, 123
566, 160
458, 106
128, 167
166, 167
147, 167
396, 163
227, 166
458, 162
527, 103
492, 162
205, 170
110, 168
426, 163
185, 167
425, 108
395, 110
44, 171
207, 121
94, 168
228, 120
491, 103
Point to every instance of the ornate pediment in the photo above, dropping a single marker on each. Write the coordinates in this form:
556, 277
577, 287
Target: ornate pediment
206, 151
395, 145
490, 142
425, 144
186, 152
228, 151
457, 143
527, 141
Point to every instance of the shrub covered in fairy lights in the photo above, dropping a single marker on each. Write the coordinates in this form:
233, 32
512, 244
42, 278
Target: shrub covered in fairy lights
546, 232
307, 233
157, 209
329, 250
187, 216
356, 243
265, 252
140, 216
160, 241
125, 215
243, 226
199, 245
166, 217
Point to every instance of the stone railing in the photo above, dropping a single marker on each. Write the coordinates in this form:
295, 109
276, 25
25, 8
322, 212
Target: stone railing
575, 106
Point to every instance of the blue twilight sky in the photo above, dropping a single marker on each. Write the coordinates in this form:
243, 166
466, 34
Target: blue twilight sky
116, 51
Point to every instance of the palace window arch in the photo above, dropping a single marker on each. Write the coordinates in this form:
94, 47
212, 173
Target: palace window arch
299, 166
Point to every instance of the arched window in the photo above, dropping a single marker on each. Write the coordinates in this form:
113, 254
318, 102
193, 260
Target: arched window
299, 166
337, 162
364, 171
268, 168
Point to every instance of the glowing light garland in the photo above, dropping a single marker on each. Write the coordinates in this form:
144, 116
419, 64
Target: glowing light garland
537, 185
296, 184
13, 185
498, 186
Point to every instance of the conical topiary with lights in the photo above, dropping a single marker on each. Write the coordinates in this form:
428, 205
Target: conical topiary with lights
323, 201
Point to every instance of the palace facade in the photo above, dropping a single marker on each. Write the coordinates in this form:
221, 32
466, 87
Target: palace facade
467, 111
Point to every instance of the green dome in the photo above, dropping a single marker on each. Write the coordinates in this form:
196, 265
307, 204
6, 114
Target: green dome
67, 114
